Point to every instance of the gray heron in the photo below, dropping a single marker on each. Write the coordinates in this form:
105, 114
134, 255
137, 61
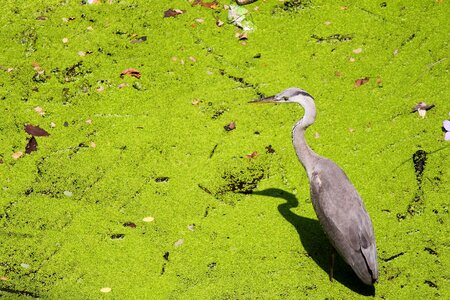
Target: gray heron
338, 206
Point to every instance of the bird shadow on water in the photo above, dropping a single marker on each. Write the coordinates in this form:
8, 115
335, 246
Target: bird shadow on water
316, 243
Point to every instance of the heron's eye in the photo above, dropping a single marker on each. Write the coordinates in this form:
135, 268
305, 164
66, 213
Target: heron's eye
285, 98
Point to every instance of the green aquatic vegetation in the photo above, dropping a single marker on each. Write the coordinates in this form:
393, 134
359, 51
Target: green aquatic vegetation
224, 223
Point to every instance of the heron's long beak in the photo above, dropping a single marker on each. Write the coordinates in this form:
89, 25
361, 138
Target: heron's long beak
264, 100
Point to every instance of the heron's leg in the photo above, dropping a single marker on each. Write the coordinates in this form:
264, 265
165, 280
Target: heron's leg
332, 254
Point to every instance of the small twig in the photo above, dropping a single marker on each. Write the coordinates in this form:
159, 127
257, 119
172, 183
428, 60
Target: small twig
429, 68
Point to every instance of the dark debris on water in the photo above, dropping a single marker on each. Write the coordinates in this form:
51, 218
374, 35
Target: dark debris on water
118, 236
162, 179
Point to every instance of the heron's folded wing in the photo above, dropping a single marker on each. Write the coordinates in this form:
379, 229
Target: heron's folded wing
340, 209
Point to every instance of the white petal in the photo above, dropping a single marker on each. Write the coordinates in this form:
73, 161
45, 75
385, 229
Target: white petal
422, 112
446, 125
447, 136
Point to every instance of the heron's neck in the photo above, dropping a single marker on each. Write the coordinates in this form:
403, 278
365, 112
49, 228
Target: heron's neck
304, 153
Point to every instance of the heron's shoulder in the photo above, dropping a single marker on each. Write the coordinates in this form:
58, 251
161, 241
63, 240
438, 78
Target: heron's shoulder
329, 172
331, 190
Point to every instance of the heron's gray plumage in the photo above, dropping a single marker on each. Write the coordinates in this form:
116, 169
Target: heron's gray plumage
336, 202
344, 219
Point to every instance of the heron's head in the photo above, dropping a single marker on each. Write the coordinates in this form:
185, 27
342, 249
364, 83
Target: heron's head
291, 95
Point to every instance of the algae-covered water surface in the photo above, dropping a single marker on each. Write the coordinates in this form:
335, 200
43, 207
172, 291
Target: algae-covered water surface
133, 167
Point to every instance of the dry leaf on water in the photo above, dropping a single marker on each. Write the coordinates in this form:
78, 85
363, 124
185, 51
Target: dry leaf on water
131, 72
230, 126
178, 243
39, 110
17, 155
68, 193
212, 5
173, 12
219, 23
148, 219
242, 36
31, 146
35, 130
36, 66
139, 40
361, 81
379, 82
252, 155
129, 224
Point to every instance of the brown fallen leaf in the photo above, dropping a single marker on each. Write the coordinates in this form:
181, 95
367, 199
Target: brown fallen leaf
212, 5
361, 81
230, 126
39, 110
219, 23
35, 130
379, 82
252, 155
36, 66
178, 243
39, 75
129, 224
31, 146
242, 36
173, 12
139, 40
131, 72
17, 155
